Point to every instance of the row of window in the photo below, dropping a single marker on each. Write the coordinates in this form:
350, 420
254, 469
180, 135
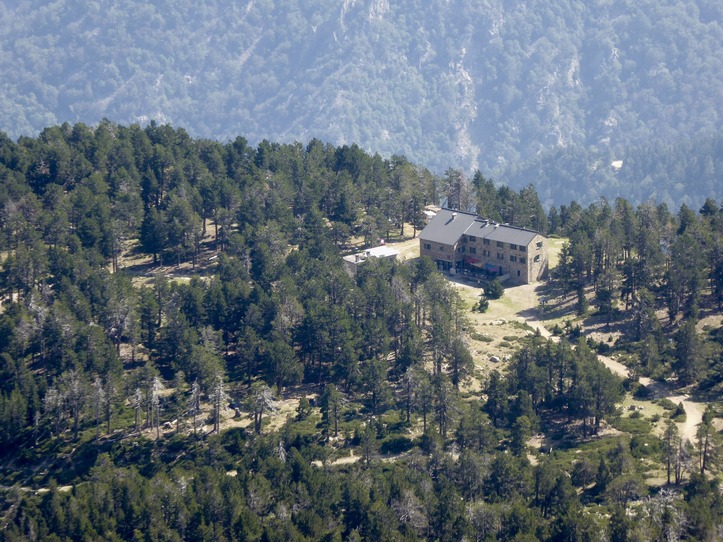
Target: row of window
486, 253
499, 244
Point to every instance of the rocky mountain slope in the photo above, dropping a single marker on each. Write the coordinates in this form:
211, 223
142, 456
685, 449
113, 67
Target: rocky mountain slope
556, 91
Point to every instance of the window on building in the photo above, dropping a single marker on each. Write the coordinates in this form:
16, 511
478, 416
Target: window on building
500, 244
522, 260
472, 250
500, 256
486, 253
513, 258
461, 249
441, 248
522, 248
513, 246
464, 238
427, 246
485, 241
472, 239
537, 258
539, 244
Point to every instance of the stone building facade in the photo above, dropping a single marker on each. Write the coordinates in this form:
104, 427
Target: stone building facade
466, 243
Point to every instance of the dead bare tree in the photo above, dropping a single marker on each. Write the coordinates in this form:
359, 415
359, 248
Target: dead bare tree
218, 397
194, 404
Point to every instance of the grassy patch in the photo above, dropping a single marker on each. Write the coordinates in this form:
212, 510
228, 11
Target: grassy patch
636, 426
644, 446
566, 457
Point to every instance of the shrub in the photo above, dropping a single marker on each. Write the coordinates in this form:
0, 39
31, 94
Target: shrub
494, 289
483, 305
583, 473
396, 445
679, 413
482, 338
642, 392
522, 325
603, 348
631, 385
667, 404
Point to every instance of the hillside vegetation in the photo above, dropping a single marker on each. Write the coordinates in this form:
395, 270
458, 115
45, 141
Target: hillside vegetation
550, 91
183, 356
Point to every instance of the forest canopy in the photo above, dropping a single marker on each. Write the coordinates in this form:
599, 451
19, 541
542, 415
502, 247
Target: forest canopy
165, 298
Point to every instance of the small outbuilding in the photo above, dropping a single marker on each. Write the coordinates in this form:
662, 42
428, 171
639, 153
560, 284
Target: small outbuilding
353, 261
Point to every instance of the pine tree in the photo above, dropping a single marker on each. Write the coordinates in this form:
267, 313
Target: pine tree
708, 443
671, 444
331, 403
688, 352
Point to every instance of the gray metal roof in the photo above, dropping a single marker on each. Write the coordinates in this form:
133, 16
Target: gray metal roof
446, 228
480, 228
511, 234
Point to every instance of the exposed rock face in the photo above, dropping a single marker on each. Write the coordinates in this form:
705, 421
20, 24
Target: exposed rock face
488, 85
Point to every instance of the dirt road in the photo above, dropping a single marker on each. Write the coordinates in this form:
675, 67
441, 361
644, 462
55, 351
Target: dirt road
520, 304
693, 410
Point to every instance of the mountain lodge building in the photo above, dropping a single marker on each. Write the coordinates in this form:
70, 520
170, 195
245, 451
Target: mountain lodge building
467, 244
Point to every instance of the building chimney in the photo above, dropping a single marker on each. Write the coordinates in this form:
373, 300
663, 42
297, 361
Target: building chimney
454, 215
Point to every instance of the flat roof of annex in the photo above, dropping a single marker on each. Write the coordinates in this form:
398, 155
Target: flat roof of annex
382, 251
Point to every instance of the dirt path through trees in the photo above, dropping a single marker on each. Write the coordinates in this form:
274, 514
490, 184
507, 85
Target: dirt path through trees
693, 410
521, 304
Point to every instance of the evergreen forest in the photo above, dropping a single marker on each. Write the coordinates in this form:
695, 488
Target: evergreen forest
184, 357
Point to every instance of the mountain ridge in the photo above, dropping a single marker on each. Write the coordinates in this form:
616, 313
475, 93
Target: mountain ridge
470, 85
